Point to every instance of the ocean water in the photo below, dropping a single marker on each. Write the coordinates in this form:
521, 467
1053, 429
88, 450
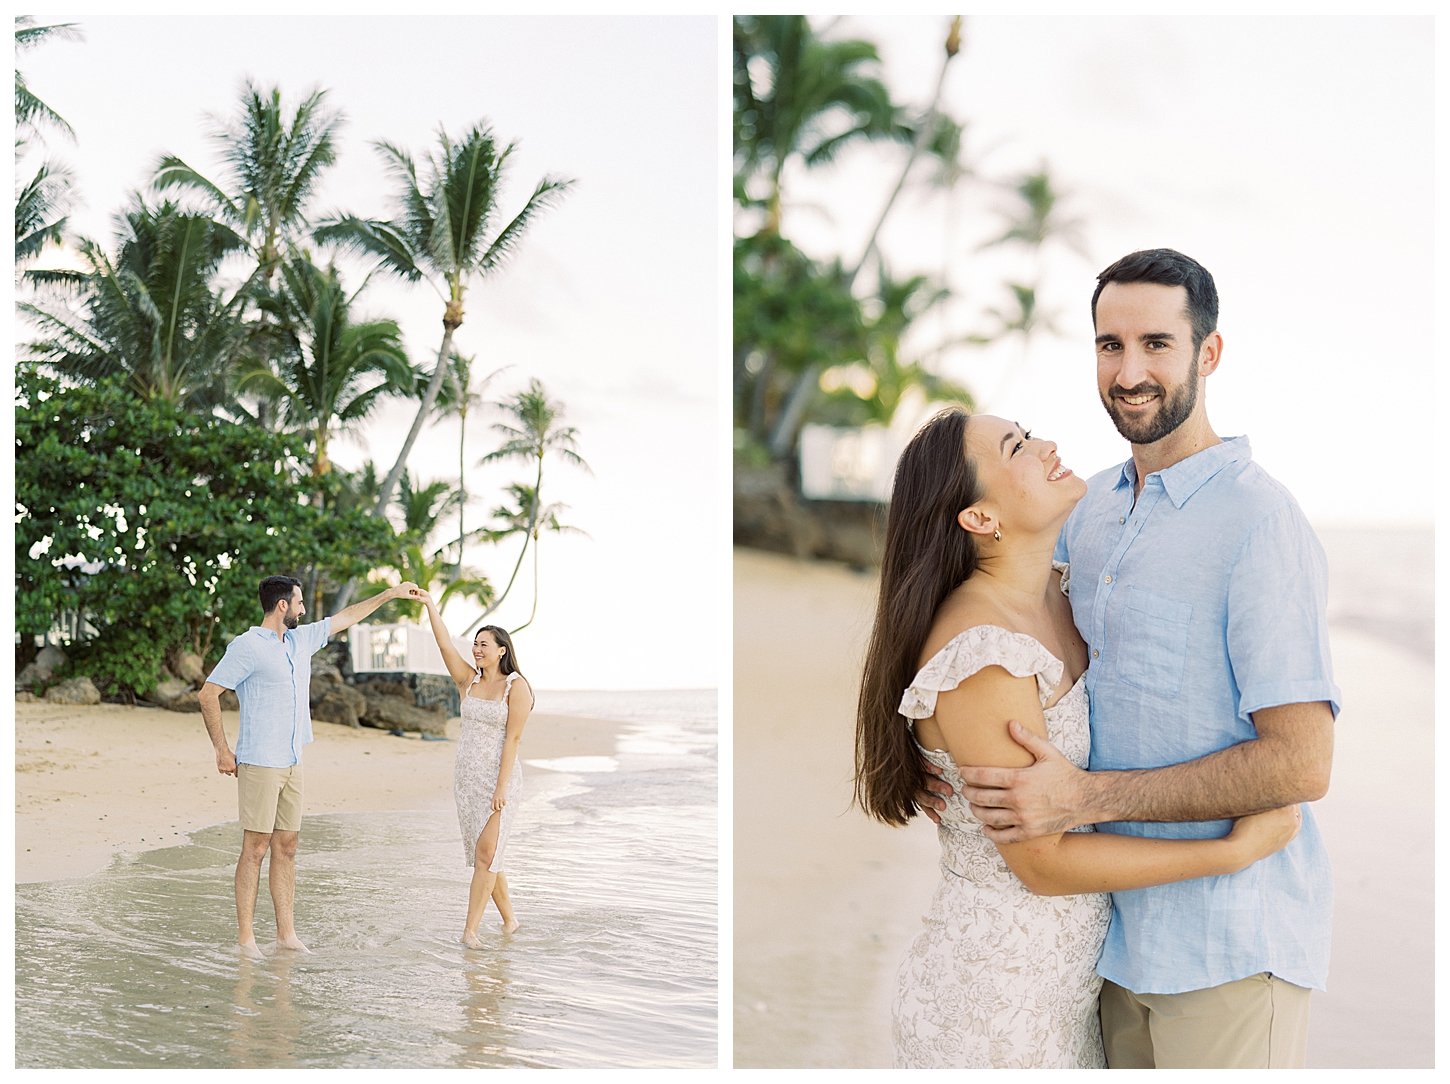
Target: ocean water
612, 868
1382, 584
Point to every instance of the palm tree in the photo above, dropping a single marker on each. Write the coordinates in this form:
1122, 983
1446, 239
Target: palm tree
423, 508
38, 208
152, 316
41, 203
870, 391
332, 371
273, 166
517, 519
799, 95
441, 236
30, 111
534, 435
458, 396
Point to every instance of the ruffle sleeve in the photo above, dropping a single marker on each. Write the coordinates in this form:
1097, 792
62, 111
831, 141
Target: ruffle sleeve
978, 647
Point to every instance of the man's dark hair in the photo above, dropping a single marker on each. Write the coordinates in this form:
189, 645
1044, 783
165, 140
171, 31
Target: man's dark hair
274, 589
1165, 267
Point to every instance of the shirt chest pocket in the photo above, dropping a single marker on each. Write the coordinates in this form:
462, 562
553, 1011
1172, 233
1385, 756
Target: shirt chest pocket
1153, 642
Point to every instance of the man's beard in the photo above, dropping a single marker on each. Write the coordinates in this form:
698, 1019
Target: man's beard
1172, 411
290, 622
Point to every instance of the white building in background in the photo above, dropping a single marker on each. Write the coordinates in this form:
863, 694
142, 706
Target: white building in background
858, 464
399, 649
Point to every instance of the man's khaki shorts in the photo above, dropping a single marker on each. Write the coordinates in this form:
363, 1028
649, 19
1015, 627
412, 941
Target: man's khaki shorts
1261, 1022
270, 799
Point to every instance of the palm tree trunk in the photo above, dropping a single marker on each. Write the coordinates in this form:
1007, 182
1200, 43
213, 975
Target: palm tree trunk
385, 494
528, 535
344, 597
917, 146
535, 608
462, 427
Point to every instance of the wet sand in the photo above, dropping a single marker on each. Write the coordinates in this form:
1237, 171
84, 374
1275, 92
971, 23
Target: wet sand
91, 782
827, 901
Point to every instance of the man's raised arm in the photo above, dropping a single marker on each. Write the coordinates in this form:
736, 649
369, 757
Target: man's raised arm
1287, 763
358, 610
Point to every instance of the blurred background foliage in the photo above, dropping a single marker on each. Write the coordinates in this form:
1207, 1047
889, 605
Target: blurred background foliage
838, 340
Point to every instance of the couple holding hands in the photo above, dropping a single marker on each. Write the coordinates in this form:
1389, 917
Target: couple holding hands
270, 670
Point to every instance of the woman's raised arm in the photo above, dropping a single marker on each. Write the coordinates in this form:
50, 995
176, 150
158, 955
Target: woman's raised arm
461, 672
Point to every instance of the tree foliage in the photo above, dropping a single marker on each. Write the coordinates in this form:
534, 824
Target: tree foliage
154, 316
155, 524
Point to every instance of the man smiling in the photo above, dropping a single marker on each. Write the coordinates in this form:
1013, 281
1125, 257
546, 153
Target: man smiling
1200, 591
270, 668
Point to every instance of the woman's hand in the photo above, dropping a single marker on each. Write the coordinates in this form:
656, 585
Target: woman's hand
1261, 834
422, 596
500, 798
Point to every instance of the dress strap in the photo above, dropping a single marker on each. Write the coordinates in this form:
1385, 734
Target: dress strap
476, 675
976, 648
1066, 570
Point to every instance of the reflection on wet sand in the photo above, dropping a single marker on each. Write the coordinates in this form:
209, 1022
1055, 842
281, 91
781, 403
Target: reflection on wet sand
485, 1038
266, 1027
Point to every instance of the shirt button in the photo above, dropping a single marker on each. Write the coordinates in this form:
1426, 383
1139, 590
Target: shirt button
1122, 519
1107, 579
1095, 653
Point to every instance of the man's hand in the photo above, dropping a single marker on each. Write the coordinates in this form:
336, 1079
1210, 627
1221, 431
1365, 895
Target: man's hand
1014, 804
226, 761
403, 590
935, 785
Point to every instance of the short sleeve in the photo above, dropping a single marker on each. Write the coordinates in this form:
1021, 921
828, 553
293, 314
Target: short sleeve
313, 637
975, 649
1278, 628
235, 666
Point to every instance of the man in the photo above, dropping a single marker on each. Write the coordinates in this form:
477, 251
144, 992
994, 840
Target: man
1200, 590
270, 668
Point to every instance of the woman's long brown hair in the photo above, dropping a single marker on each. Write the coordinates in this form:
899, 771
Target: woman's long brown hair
926, 555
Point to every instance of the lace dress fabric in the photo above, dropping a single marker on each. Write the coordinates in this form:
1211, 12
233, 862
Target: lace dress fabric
999, 977
475, 772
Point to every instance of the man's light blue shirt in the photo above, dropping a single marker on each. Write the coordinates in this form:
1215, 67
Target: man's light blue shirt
1202, 603
273, 679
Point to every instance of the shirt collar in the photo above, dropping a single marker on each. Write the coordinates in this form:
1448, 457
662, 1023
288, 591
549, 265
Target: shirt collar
266, 633
1184, 478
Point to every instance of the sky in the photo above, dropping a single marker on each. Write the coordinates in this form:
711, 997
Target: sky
1292, 157
611, 301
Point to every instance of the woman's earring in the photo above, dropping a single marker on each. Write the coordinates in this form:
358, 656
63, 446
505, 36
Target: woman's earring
997, 535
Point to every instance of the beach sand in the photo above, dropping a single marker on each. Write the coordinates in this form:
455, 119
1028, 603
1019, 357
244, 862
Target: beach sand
92, 782
826, 901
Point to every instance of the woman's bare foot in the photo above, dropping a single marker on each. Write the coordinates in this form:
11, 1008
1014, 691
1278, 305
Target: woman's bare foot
471, 940
511, 926
250, 950
293, 944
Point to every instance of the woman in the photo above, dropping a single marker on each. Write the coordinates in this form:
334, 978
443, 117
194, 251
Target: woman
488, 779
973, 629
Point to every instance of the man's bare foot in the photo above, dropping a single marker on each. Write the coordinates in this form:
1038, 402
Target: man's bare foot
471, 940
292, 943
511, 926
250, 950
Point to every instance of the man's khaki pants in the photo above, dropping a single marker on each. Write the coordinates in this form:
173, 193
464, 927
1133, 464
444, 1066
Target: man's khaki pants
1261, 1022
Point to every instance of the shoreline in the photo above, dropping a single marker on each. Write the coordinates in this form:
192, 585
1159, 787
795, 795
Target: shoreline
96, 782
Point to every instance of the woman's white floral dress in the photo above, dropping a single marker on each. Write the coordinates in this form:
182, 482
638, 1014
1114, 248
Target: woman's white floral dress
475, 771
999, 977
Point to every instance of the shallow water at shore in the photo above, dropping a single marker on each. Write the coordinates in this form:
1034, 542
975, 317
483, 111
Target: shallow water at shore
612, 872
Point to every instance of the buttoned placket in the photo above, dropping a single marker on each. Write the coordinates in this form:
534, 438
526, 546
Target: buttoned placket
291, 650
1130, 523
